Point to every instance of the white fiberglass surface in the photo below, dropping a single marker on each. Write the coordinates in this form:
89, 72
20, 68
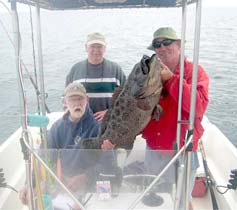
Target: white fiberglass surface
105, 179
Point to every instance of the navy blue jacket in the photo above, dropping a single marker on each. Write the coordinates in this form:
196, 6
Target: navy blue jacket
65, 134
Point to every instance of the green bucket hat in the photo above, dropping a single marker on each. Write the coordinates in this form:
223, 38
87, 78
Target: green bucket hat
164, 32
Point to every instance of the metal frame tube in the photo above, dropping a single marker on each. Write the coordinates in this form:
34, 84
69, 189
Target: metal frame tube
16, 34
53, 175
184, 20
195, 63
179, 117
41, 74
187, 184
16, 38
137, 200
193, 93
179, 187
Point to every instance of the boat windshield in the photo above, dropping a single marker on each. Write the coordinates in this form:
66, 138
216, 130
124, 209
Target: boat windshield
111, 179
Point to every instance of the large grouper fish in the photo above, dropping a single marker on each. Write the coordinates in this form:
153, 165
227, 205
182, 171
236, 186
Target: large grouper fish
133, 107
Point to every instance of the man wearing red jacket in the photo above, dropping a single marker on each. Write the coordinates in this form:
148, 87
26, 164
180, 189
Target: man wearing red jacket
161, 134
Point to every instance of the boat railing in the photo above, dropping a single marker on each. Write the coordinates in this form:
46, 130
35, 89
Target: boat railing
97, 179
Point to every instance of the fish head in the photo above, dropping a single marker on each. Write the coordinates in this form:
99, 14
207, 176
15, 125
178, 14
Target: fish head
146, 77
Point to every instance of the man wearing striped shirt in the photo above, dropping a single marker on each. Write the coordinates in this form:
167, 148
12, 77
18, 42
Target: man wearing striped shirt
99, 75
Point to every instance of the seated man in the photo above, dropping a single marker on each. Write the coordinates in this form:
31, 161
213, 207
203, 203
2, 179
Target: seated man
76, 124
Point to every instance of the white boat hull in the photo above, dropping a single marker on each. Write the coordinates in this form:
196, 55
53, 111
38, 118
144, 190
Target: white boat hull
221, 159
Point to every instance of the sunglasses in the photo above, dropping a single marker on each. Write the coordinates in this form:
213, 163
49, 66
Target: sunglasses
166, 42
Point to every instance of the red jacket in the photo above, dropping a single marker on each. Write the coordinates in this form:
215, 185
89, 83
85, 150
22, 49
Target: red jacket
161, 134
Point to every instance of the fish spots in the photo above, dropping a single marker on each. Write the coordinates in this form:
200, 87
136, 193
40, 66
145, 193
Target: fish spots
130, 113
125, 116
122, 100
113, 125
117, 111
113, 117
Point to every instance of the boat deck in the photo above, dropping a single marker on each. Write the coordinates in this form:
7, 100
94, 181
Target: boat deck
203, 203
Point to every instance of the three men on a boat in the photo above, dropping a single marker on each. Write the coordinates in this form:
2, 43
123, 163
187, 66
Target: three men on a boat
161, 134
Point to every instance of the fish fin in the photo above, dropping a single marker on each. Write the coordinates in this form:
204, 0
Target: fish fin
157, 112
128, 147
128, 143
116, 93
144, 104
105, 122
93, 143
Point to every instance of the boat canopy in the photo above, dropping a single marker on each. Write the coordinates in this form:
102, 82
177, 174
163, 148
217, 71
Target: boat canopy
97, 4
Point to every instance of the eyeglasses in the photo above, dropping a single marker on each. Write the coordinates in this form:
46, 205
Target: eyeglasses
166, 42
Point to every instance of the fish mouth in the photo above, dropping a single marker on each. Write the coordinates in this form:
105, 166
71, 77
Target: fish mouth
147, 84
145, 64
152, 85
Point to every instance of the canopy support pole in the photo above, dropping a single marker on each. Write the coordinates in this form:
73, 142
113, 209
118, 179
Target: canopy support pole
41, 74
193, 96
22, 104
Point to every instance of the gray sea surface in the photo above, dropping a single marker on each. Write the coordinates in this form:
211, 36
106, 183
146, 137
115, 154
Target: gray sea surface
128, 33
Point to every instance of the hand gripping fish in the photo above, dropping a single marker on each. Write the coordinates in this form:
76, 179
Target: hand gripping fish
133, 107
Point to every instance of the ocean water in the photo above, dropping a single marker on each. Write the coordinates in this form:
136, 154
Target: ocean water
128, 33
